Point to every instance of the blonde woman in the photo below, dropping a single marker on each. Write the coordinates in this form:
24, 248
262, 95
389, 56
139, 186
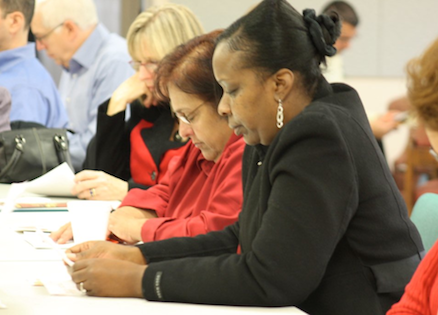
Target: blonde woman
135, 153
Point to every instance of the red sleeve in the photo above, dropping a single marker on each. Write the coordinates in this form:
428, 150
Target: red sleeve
223, 208
417, 296
156, 197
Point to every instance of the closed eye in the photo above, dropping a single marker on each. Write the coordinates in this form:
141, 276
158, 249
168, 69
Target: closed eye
232, 92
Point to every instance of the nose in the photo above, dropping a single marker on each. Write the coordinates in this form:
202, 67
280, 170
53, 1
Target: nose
185, 130
224, 107
144, 74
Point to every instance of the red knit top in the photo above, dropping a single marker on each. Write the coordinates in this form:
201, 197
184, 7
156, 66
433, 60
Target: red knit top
421, 294
195, 196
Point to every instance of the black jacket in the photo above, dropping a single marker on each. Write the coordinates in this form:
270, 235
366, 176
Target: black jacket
323, 225
110, 150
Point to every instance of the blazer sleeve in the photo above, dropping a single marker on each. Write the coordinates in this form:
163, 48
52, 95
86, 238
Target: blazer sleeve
111, 145
304, 219
212, 244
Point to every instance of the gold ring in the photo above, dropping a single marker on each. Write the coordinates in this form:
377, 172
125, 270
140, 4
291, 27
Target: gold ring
81, 288
92, 192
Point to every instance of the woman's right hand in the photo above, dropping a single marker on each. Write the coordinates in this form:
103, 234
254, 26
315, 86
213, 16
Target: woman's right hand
130, 90
103, 249
126, 223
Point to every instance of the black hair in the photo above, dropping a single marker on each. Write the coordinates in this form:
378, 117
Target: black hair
345, 11
26, 7
275, 36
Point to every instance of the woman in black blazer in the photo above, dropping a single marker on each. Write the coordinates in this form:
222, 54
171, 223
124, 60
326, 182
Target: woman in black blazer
323, 225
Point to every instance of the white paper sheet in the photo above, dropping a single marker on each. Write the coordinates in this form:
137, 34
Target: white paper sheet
57, 182
15, 190
59, 286
36, 241
59, 282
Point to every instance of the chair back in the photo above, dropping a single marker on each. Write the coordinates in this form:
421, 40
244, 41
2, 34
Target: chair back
425, 217
418, 161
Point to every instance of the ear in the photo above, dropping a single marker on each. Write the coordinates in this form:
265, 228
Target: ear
284, 80
72, 29
15, 22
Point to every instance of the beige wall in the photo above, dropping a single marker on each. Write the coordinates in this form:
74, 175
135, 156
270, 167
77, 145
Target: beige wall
376, 93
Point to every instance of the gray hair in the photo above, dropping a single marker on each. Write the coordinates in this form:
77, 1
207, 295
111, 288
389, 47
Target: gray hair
54, 12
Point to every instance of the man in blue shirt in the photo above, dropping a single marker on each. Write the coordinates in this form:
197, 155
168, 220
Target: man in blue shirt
34, 94
94, 63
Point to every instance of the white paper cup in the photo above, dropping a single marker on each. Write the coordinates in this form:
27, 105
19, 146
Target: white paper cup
89, 219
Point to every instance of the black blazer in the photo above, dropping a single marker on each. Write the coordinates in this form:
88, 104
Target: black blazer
110, 149
323, 224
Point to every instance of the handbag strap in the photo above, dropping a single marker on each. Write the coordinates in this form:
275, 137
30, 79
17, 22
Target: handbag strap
18, 151
61, 146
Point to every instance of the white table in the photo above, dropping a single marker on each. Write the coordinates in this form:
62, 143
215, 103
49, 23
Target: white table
21, 265
22, 298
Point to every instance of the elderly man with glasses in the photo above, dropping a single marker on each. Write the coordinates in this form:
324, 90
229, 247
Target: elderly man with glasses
35, 97
94, 61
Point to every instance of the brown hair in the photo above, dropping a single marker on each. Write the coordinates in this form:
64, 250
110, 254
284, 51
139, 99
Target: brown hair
423, 86
189, 68
24, 6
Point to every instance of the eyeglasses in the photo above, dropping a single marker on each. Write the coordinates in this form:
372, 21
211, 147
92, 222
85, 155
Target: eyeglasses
150, 66
188, 119
434, 154
41, 38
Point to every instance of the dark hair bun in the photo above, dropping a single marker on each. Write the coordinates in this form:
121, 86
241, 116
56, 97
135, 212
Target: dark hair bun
324, 30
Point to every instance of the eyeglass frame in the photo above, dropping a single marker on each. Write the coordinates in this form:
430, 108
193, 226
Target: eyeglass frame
150, 65
184, 118
433, 153
41, 38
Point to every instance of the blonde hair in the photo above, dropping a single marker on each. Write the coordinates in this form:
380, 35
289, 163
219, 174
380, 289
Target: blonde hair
54, 12
162, 28
423, 86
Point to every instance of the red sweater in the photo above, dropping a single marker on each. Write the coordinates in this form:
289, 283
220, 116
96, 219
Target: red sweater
421, 294
195, 196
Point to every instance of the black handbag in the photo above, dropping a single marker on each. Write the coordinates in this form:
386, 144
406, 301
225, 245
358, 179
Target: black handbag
26, 153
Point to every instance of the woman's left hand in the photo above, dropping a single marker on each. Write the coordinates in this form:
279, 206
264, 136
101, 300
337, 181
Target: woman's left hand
126, 225
108, 277
98, 185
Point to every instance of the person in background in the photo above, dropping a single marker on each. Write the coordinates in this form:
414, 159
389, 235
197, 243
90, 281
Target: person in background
334, 70
94, 63
34, 95
202, 189
322, 227
5, 109
136, 153
421, 294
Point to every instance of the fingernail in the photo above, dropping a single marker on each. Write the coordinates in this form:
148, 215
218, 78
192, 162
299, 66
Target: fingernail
71, 255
